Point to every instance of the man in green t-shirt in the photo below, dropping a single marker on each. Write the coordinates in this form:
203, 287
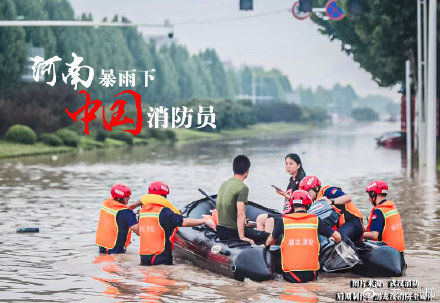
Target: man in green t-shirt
231, 206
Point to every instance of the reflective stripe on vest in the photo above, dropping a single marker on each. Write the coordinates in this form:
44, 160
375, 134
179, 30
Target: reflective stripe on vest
107, 231
392, 233
151, 233
300, 244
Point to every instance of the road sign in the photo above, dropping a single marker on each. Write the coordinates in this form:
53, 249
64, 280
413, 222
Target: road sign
298, 14
334, 11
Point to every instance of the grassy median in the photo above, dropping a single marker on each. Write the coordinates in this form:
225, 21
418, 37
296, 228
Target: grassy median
9, 149
260, 129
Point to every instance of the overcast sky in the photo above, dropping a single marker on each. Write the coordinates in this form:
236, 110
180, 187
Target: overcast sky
273, 40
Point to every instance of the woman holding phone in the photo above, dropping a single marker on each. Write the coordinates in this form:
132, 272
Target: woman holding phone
296, 171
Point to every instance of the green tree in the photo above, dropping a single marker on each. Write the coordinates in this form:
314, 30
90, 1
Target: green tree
37, 36
218, 74
12, 47
364, 114
380, 39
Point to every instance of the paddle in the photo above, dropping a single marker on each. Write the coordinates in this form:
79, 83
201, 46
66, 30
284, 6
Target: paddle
206, 195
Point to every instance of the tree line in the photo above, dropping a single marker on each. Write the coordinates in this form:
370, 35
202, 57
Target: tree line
178, 74
381, 37
343, 100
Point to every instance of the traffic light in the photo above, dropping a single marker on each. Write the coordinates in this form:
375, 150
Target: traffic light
246, 5
305, 6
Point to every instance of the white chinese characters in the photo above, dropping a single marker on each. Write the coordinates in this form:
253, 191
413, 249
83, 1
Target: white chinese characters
84, 74
160, 117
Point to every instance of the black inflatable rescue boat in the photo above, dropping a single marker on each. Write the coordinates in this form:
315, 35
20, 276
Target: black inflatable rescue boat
236, 259
376, 258
239, 260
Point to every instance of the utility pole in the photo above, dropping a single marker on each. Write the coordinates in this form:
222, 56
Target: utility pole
420, 104
408, 120
417, 119
253, 88
431, 137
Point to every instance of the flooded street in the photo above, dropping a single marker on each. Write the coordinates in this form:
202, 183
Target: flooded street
62, 194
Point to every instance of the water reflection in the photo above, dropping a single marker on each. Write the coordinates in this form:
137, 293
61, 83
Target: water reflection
62, 196
301, 293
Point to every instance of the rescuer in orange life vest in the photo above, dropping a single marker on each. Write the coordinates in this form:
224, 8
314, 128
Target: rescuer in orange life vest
350, 218
385, 223
158, 223
116, 221
300, 244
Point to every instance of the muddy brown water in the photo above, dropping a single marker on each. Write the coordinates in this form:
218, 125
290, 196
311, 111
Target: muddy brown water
61, 195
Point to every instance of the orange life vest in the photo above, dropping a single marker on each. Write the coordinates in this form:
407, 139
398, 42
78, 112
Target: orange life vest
212, 217
152, 235
107, 231
349, 207
300, 244
392, 233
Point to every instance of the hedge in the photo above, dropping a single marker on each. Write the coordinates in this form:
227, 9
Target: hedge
69, 137
51, 139
21, 134
122, 136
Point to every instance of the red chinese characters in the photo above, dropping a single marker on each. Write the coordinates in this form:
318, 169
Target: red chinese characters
118, 118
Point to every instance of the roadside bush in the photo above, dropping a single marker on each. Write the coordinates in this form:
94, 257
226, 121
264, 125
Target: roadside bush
122, 136
314, 115
229, 114
21, 134
37, 105
158, 134
101, 135
51, 139
170, 135
69, 137
364, 114
277, 112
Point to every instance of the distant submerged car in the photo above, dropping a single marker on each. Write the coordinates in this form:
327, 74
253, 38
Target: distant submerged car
392, 140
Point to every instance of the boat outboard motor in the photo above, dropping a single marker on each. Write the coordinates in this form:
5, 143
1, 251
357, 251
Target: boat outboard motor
335, 257
325, 212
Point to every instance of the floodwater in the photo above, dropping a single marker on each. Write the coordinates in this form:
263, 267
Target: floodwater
62, 194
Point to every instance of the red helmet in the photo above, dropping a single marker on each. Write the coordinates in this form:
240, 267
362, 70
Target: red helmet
378, 187
300, 197
158, 188
120, 191
309, 182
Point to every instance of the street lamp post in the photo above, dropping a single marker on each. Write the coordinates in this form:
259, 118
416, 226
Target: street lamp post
431, 137
408, 119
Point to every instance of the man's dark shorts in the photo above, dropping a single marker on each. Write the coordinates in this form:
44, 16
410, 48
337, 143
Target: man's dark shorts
225, 234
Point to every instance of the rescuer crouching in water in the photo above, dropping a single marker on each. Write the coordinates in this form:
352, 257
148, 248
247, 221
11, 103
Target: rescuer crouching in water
350, 224
300, 244
116, 221
158, 223
385, 223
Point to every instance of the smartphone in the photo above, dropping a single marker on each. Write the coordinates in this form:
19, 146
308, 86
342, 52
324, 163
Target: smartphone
276, 187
